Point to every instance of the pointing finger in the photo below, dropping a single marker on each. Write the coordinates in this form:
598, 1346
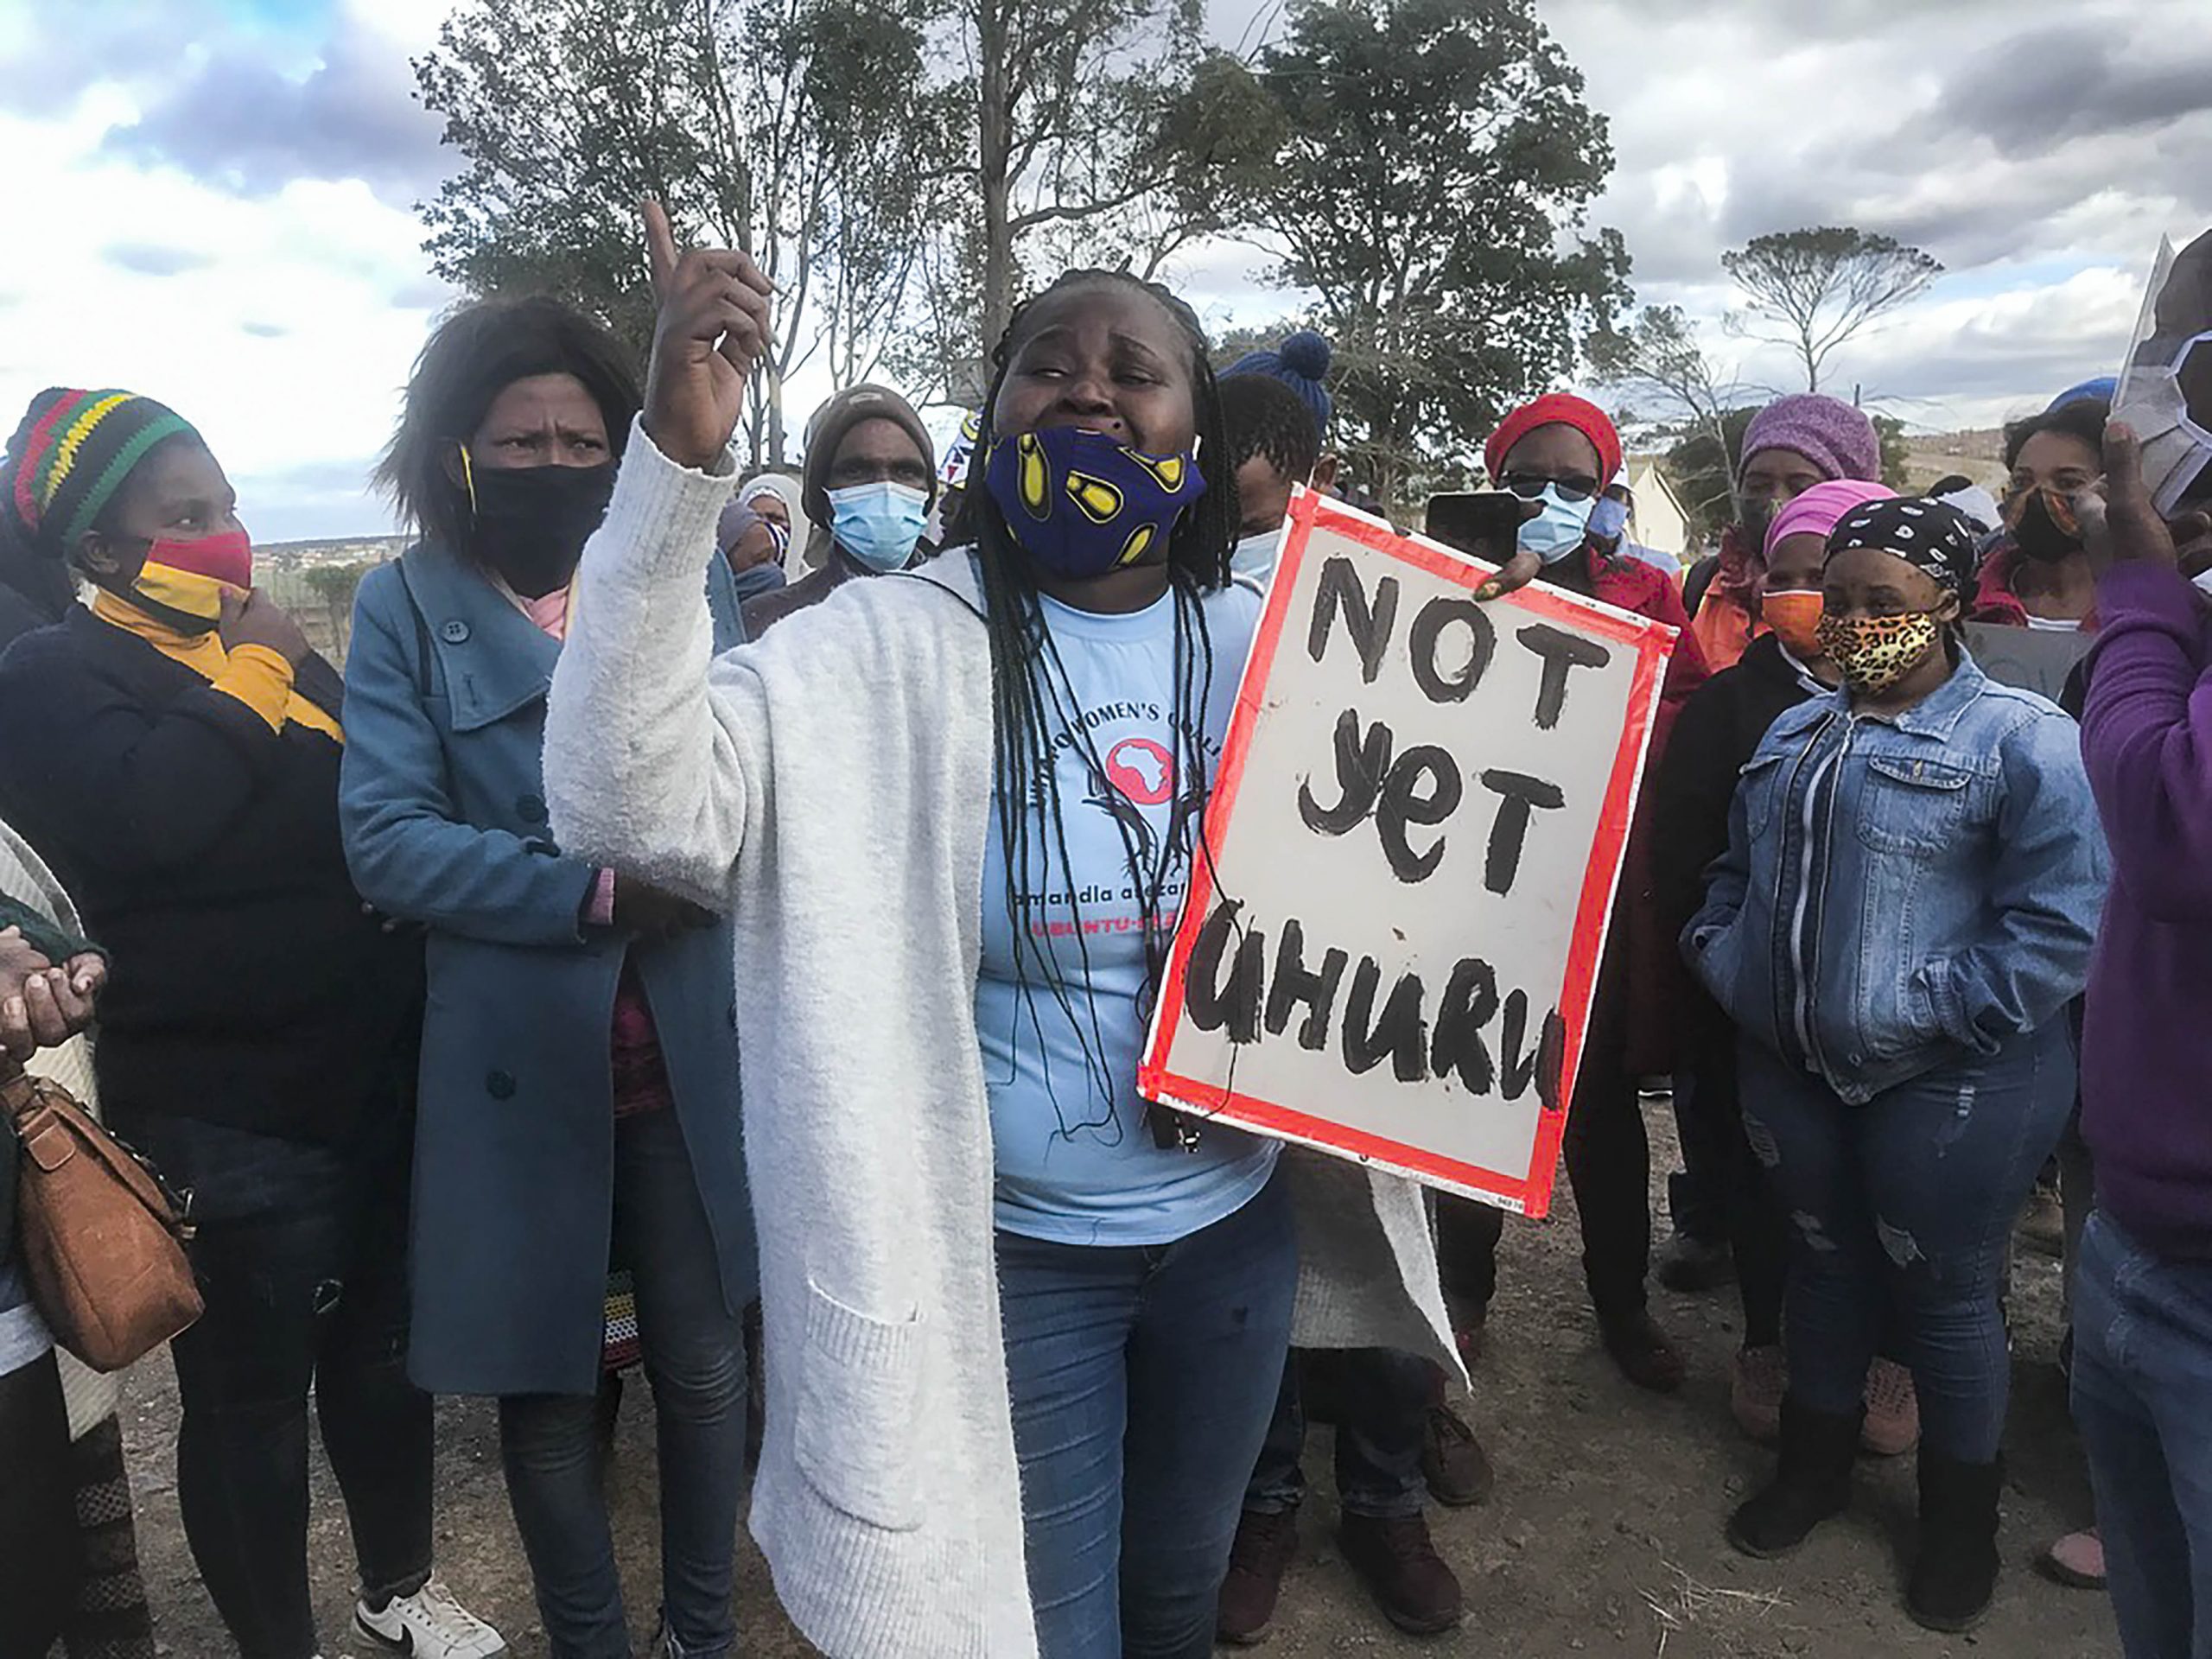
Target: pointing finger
660, 243
2123, 463
1515, 573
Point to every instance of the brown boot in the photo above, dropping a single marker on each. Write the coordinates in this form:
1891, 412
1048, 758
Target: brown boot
1451, 1460
1642, 1352
1263, 1550
1401, 1570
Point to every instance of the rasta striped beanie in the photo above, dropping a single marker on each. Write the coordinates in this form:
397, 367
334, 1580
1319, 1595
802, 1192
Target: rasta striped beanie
73, 452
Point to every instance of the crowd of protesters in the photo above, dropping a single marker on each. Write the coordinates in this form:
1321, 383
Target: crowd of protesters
641, 956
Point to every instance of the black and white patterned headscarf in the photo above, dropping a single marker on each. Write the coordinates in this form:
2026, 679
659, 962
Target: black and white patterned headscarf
1930, 535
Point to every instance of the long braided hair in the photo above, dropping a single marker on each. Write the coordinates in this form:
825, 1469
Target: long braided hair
1030, 711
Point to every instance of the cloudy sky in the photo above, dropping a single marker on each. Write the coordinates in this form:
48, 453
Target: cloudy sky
211, 199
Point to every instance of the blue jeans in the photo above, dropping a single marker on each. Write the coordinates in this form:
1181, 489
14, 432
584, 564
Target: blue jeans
1385, 1398
1141, 1380
1901, 1210
694, 1352
2143, 1398
301, 1253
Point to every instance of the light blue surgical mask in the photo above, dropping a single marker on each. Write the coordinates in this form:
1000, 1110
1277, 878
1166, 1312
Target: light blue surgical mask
1562, 528
1609, 518
879, 524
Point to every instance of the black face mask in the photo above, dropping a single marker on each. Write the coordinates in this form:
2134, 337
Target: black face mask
2038, 533
1757, 513
531, 523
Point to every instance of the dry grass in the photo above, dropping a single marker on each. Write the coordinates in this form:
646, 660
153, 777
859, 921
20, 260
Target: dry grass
1691, 1602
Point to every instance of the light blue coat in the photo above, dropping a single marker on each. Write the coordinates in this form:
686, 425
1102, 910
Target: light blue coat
443, 800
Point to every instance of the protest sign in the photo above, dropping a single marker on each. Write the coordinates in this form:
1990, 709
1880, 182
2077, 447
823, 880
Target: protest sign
1394, 923
2031, 658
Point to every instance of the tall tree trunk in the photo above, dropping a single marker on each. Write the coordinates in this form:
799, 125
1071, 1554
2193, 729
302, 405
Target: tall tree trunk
775, 379
994, 155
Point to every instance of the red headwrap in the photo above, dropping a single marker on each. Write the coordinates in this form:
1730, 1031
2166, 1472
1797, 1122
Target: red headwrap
1556, 408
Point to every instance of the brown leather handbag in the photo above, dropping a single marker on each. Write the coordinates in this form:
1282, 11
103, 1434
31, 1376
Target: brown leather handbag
102, 1245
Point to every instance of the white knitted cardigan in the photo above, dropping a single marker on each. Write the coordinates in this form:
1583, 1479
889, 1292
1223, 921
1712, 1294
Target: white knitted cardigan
828, 787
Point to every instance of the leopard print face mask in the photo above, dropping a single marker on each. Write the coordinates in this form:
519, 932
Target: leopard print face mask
1874, 652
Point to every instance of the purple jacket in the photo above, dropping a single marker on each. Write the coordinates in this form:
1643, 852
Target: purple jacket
2146, 1062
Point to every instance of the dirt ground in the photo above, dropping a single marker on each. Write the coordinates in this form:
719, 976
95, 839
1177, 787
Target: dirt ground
1603, 1536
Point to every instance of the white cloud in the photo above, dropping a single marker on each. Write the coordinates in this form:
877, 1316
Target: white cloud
283, 325
267, 277
2039, 149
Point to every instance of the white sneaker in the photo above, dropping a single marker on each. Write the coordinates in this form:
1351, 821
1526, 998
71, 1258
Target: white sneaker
429, 1625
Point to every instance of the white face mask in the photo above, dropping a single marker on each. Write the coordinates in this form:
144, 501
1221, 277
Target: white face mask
2176, 442
1254, 557
2204, 582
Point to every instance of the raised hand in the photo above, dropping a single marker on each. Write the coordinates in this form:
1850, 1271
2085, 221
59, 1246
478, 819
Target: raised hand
2119, 519
713, 329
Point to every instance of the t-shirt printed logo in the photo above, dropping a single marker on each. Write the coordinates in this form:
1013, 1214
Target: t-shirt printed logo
1142, 770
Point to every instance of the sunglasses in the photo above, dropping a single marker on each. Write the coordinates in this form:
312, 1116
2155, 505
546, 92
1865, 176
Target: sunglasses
1575, 487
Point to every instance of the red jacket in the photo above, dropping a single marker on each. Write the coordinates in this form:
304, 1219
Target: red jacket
1994, 601
1642, 964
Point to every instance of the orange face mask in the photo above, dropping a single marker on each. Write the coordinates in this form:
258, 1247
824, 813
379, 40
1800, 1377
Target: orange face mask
1794, 616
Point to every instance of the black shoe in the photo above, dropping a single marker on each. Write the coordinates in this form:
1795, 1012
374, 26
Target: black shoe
1398, 1563
1954, 1576
1692, 1266
1811, 1483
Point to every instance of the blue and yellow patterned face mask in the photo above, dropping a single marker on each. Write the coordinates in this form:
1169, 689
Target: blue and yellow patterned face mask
1080, 505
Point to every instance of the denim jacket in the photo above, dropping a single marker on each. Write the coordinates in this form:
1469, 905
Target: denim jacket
1904, 891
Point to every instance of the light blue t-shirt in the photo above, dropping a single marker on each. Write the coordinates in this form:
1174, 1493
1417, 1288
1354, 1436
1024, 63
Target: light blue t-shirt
22, 1334
1077, 1160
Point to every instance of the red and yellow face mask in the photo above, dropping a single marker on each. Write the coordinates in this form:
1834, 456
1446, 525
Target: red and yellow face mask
183, 581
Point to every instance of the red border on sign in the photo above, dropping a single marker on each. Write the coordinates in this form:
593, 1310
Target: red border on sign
1528, 1189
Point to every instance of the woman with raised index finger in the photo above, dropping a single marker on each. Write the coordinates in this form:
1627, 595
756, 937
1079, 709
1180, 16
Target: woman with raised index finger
1024, 1331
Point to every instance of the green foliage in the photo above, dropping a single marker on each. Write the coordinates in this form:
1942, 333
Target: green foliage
1095, 128
1702, 469
1897, 453
1821, 288
810, 133
1421, 161
334, 584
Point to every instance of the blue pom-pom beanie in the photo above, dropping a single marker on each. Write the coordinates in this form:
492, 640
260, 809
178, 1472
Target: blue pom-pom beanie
1300, 362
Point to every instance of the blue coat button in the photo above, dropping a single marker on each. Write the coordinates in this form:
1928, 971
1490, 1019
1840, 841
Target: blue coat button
455, 632
532, 809
499, 1085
